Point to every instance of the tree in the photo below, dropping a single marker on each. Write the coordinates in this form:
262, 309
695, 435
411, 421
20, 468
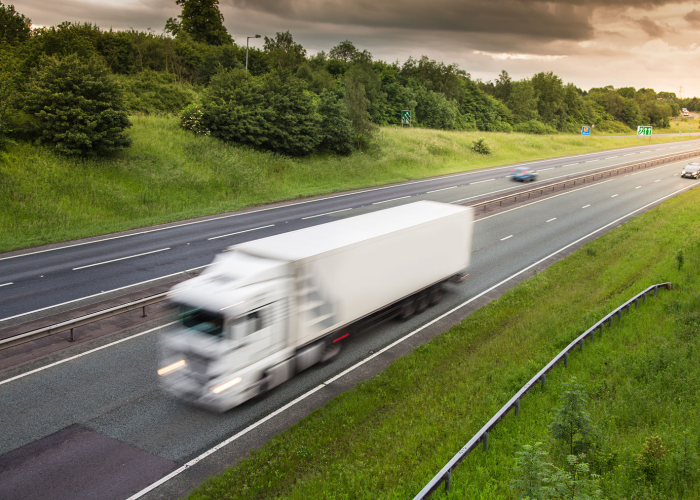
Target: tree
285, 51
357, 104
10, 78
503, 86
335, 128
201, 20
344, 51
79, 106
572, 422
14, 27
532, 472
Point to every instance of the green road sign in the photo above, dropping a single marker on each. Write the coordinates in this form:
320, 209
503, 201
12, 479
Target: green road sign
644, 130
406, 117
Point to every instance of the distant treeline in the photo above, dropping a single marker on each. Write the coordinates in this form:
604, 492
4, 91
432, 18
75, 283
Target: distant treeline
195, 63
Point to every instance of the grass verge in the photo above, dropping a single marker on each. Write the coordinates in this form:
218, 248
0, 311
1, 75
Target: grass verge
169, 174
387, 437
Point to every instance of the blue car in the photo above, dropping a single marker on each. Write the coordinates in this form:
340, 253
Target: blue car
523, 174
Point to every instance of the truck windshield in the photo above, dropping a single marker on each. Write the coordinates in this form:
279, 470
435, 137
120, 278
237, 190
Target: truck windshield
203, 321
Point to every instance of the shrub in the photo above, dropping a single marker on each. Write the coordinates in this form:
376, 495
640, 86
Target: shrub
534, 127
153, 92
480, 147
192, 118
79, 106
572, 422
651, 459
502, 126
274, 112
335, 128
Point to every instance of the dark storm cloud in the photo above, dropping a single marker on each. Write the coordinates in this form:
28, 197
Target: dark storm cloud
693, 17
651, 28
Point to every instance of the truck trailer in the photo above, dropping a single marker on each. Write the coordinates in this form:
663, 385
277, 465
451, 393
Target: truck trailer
267, 309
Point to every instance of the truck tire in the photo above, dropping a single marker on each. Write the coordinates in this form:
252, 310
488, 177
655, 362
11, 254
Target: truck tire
436, 294
422, 301
408, 308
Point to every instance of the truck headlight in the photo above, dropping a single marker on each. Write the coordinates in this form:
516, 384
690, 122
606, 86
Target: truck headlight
226, 385
173, 367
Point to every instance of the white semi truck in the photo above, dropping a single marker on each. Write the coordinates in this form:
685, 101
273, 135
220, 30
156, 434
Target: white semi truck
267, 309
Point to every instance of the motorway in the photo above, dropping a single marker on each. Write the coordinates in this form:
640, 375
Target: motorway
98, 426
41, 278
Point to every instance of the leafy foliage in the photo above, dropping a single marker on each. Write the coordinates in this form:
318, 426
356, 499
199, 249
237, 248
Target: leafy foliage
479, 146
572, 422
202, 21
357, 103
14, 27
78, 105
335, 128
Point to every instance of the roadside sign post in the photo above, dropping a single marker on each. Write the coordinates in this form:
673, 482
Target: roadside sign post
405, 118
644, 131
585, 132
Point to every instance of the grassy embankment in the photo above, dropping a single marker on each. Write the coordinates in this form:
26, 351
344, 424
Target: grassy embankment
387, 437
169, 174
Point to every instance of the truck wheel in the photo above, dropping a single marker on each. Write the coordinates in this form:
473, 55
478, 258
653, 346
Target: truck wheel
436, 295
422, 302
407, 309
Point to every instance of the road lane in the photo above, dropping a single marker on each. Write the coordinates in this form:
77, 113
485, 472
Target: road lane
115, 391
42, 279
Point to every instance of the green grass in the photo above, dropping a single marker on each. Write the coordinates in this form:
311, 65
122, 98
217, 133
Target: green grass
169, 174
388, 436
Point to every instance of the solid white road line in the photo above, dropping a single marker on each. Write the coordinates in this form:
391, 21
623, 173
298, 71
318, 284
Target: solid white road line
245, 431
7, 284
570, 165
637, 187
443, 189
657, 180
121, 258
553, 218
102, 293
393, 199
239, 232
611, 157
613, 196
507, 237
327, 213
629, 154
550, 168
586, 206
479, 182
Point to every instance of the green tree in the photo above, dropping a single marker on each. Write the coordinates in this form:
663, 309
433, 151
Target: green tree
372, 83
572, 422
284, 51
576, 483
503, 86
433, 110
10, 80
522, 101
550, 94
344, 51
78, 105
531, 472
14, 27
357, 104
335, 128
202, 20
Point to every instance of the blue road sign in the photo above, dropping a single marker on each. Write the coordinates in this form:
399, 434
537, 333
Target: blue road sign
585, 130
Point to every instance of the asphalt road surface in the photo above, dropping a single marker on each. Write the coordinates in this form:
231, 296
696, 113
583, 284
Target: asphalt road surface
99, 426
35, 279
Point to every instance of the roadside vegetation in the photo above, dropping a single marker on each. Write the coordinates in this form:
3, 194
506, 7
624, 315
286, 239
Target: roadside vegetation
169, 174
639, 384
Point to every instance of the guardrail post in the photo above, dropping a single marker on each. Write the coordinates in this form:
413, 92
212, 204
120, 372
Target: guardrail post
448, 481
592, 335
655, 289
610, 320
71, 339
144, 312
485, 440
636, 303
543, 379
628, 308
566, 360
517, 407
581, 344
644, 298
619, 314
601, 330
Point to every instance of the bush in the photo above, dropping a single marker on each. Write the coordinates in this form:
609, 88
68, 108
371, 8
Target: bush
501, 126
534, 127
153, 92
79, 106
479, 146
273, 112
192, 118
335, 128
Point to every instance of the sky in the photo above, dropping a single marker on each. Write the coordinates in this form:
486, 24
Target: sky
591, 43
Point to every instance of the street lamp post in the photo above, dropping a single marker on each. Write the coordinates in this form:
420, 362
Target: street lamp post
246, 50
